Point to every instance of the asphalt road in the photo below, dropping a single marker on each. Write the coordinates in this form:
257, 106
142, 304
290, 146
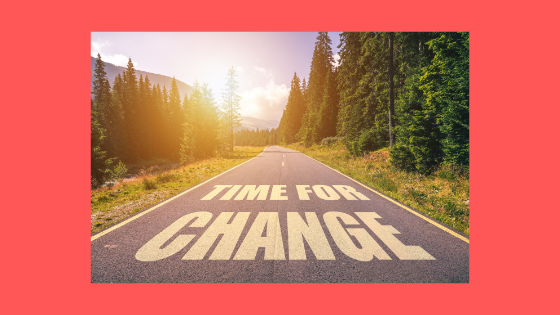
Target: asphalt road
280, 217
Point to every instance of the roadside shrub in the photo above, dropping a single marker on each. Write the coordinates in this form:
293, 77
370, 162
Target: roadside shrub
120, 171
449, 171
329, 141
149, 184
94, 182
368, 141
402, 158
166, 177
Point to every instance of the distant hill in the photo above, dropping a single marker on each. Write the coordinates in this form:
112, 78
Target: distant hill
163, 80
252, 123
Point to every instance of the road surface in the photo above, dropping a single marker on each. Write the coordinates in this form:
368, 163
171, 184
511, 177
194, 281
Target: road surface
280, 217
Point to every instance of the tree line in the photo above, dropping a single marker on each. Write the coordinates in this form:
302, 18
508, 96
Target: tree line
256, 138
403, 90
134, 120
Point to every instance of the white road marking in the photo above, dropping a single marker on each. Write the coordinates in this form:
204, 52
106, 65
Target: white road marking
231, 192
250, 191
348, 191
272, 242
385, 233
369, 246
325, 192
303, 193
363, 250
313, 234
152, 251
231, 233
213, 193
277, 191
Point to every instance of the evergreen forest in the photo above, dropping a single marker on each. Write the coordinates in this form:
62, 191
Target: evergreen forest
402, 90
134, 120
405, 91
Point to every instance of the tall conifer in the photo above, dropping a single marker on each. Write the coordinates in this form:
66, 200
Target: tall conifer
321, 64
230, 108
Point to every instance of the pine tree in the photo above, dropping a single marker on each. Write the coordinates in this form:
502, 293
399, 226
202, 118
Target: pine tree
201, 129
147, 115
291, 120
230, 108
391, 93
369, 112
446, 86
130, 104
176, 121
101, 91
102, 99
188, 139
321, 64
329, 107
349, 74
166, 119
210, 138
142, 117
418, 146
156, 121
304, 91
433, 111
100, 164
116, 136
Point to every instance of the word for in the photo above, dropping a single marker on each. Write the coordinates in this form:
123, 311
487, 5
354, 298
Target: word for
273, 245
249, 192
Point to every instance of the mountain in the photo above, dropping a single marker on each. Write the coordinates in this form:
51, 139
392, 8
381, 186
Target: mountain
163, 80
252, 123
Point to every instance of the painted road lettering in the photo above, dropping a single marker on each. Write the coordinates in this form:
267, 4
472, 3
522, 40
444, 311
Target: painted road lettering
231, 192
272, 242
298, 230
313, 234
231, 233
152, 250
369, 247
277, 192
249, 192
385, 233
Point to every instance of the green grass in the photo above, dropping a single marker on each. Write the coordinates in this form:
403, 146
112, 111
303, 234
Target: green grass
153, 184
442, 195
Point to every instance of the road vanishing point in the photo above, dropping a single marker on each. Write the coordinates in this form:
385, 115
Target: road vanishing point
281, 217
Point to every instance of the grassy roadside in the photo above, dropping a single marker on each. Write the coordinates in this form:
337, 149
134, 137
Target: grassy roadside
154, 184
444, 195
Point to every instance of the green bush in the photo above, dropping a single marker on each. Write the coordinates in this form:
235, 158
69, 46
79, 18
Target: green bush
368, 141
166, 177
402, 158
120, 171
149, 184
329, 141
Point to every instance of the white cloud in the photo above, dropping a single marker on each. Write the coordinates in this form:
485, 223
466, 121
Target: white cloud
117, 59
336, 62
239, 69
267, 73
265, 102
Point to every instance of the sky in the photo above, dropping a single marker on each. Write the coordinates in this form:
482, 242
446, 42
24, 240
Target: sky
264, 62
